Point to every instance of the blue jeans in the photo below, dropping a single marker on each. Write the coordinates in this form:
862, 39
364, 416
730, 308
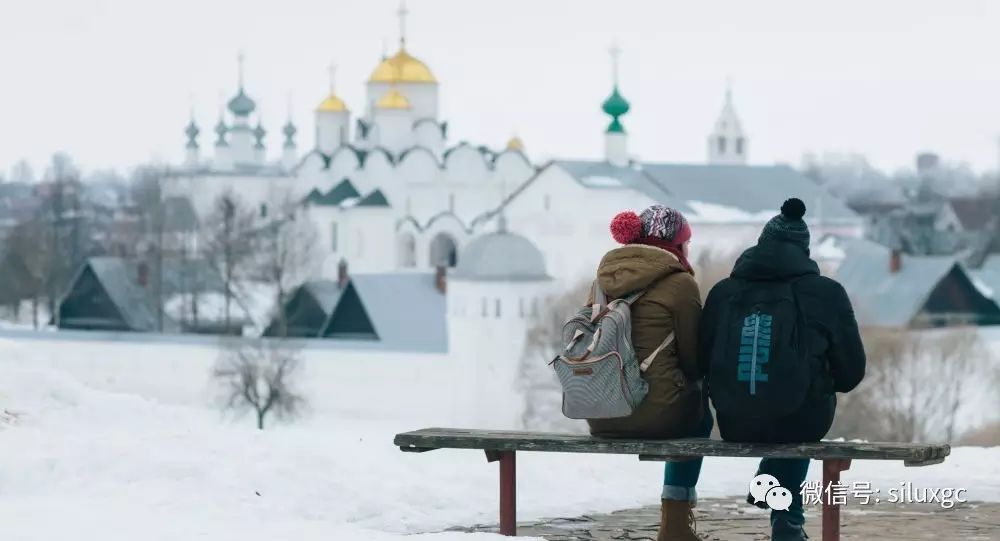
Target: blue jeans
790, 473
680, 478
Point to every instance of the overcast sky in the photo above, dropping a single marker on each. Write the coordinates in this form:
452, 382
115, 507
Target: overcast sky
111, 81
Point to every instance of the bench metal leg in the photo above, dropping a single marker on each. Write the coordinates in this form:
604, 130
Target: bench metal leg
508, 490
831, 513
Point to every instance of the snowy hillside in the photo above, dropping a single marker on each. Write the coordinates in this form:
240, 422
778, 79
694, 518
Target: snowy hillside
118, 459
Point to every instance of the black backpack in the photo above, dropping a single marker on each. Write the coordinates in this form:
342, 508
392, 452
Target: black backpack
759, 367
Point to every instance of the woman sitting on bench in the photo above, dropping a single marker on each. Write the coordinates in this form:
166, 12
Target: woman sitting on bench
654, 258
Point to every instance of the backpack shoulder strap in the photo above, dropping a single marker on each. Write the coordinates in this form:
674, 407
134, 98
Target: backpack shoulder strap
644, 365
629, 300
601, 301
600, 298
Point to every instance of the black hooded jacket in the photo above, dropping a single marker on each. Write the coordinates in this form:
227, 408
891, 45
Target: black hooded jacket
833, 340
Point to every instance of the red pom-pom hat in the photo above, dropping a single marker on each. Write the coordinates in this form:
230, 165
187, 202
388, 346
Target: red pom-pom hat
626, 227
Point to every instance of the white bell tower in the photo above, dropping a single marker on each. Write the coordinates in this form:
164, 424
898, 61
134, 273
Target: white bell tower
728, 143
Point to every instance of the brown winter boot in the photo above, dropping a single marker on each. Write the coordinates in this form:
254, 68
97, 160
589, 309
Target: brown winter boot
677, 521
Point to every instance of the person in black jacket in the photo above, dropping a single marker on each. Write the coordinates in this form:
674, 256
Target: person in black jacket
833, 345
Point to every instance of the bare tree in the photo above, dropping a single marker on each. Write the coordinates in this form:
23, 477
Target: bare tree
228, 241
286, 253
987, 435
147, 192
191, 284
27, 263
711, 267
918, 385
845, 174
536, 379
60, 212
22, 173
258, 376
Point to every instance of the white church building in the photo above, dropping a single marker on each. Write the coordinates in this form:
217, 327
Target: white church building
385, 169
390, 195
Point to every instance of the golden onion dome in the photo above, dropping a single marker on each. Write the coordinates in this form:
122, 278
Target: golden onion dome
515, 143
332, 104
393, 99
402, 68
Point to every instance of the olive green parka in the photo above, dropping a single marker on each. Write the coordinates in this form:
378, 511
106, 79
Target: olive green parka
671, 303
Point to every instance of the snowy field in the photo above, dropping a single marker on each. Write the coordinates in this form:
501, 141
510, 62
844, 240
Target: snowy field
121, 441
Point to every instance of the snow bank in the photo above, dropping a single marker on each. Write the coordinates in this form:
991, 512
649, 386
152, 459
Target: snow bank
598, 181
722, 214
983, 288
93, 464
101, 460
828, 248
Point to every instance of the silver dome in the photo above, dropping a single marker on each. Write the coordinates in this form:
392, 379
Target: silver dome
501, 257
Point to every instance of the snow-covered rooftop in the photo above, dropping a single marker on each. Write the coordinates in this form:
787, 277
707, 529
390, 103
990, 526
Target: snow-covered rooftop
708, 193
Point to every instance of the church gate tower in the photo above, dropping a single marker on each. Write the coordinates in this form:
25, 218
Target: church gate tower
494, 296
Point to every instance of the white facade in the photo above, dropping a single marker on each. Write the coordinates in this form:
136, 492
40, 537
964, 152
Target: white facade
398, 146
439, 197
358, 235
616, 148
332, 129
493, 298
487, 325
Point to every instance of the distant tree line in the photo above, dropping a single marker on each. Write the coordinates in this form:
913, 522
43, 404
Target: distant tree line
62, 220
851, 176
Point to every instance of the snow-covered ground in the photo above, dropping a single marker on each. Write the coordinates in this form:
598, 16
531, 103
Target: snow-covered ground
95, 449
25, 317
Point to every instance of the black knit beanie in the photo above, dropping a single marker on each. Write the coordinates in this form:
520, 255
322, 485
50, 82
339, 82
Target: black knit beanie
788, 226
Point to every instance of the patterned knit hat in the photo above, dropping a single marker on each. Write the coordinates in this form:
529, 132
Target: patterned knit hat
657, 222
788, 226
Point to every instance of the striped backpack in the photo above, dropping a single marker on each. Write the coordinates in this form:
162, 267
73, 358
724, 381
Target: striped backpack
600, 375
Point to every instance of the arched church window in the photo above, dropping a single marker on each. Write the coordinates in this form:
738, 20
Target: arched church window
407, 251
444, 251
496, 304
263, 210
534, 307
486, 310
722, 145
739, 145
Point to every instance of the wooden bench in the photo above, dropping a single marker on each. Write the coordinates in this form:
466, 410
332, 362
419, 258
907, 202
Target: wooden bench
503, 445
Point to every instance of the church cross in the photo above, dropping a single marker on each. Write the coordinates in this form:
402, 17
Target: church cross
615, 51
403, 12
240, 59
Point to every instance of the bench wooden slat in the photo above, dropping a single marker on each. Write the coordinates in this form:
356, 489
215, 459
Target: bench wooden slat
450, 438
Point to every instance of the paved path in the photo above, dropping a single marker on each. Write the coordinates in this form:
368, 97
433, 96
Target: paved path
730, 519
